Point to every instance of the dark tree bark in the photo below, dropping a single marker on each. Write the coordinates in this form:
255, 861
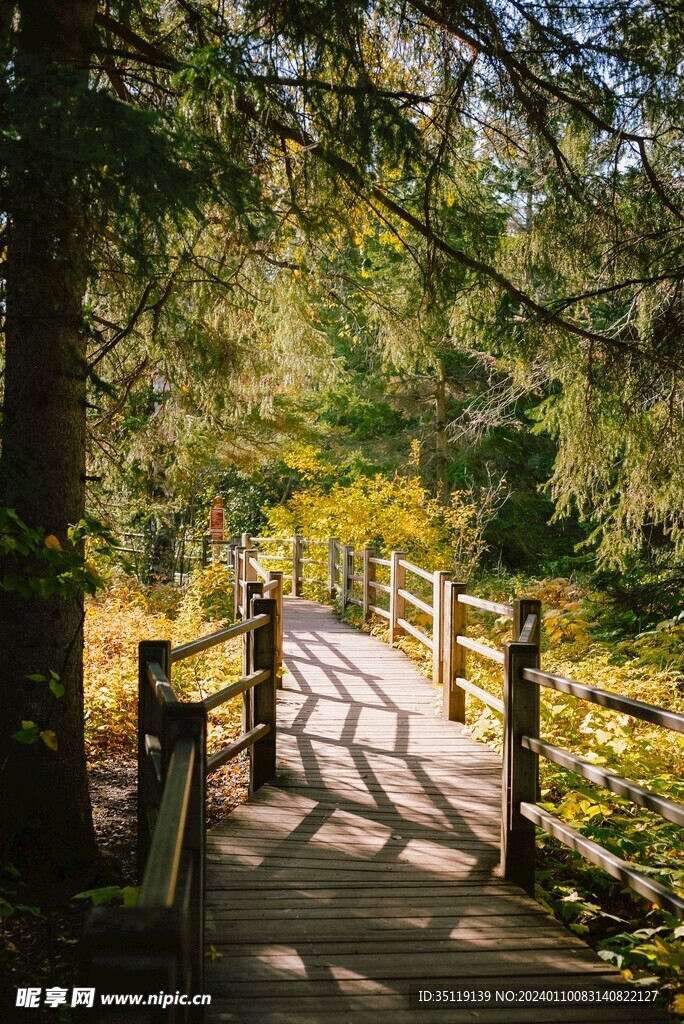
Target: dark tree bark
47, 827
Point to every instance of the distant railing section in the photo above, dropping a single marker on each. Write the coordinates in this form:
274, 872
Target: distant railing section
159, 944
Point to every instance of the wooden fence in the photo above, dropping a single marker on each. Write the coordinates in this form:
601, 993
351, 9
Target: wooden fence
352, 577
158, 945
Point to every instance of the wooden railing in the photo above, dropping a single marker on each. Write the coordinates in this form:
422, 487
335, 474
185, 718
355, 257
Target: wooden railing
522, 748
352, 577
158, 945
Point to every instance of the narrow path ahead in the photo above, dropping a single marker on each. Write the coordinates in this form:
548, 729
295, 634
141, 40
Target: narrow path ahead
369, 868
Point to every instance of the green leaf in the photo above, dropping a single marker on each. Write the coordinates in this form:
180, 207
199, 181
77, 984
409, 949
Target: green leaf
36, 677
57, 688
110, 894
34, 911
28, 733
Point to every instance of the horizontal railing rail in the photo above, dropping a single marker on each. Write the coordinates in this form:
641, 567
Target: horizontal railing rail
204, 643
416, 570
487, 606
482, 649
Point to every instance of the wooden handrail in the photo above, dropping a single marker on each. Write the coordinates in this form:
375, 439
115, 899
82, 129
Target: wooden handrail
611, 781
172, 767
421, 605
214, 700
485, 652
486, 606
230, 751
487, 698
528, 629
625, 872
416, 570
161, 687
604, 698
160, 882
408, 627
203, 643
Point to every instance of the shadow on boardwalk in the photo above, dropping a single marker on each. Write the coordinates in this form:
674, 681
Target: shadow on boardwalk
369, 869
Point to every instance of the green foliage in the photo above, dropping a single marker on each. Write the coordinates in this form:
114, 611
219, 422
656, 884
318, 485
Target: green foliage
10, 895
127, 895
43, 566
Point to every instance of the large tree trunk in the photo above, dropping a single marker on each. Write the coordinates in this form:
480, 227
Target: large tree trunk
47, 826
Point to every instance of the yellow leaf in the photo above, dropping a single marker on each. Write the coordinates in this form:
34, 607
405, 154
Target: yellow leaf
678, 1004
53, 542
49, 738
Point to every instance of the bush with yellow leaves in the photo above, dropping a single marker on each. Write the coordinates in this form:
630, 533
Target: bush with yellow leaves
388, 514
118, 619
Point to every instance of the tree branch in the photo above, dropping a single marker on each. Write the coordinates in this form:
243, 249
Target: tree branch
365, 189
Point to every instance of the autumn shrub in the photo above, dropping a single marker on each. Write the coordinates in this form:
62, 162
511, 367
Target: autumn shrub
388, 514
118, 619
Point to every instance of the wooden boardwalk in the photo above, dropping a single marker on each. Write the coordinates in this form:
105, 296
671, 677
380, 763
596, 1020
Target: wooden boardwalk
370, 866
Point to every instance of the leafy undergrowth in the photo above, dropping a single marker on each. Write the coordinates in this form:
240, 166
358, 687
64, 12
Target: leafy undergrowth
119, 619
115, 623
39, 933
582, 638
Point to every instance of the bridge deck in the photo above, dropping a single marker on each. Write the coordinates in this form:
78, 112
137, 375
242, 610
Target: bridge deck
370, 865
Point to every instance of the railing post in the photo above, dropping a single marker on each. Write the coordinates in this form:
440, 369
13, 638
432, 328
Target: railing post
368, 578
252, 589
250, 571
397, 602
520, 778
439, 579
248, 575
150, 722
205, 552
237, 578
346, 551
278, 597
296, 565
263, 753
191, 720
333, 543
522, 607
455, 620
